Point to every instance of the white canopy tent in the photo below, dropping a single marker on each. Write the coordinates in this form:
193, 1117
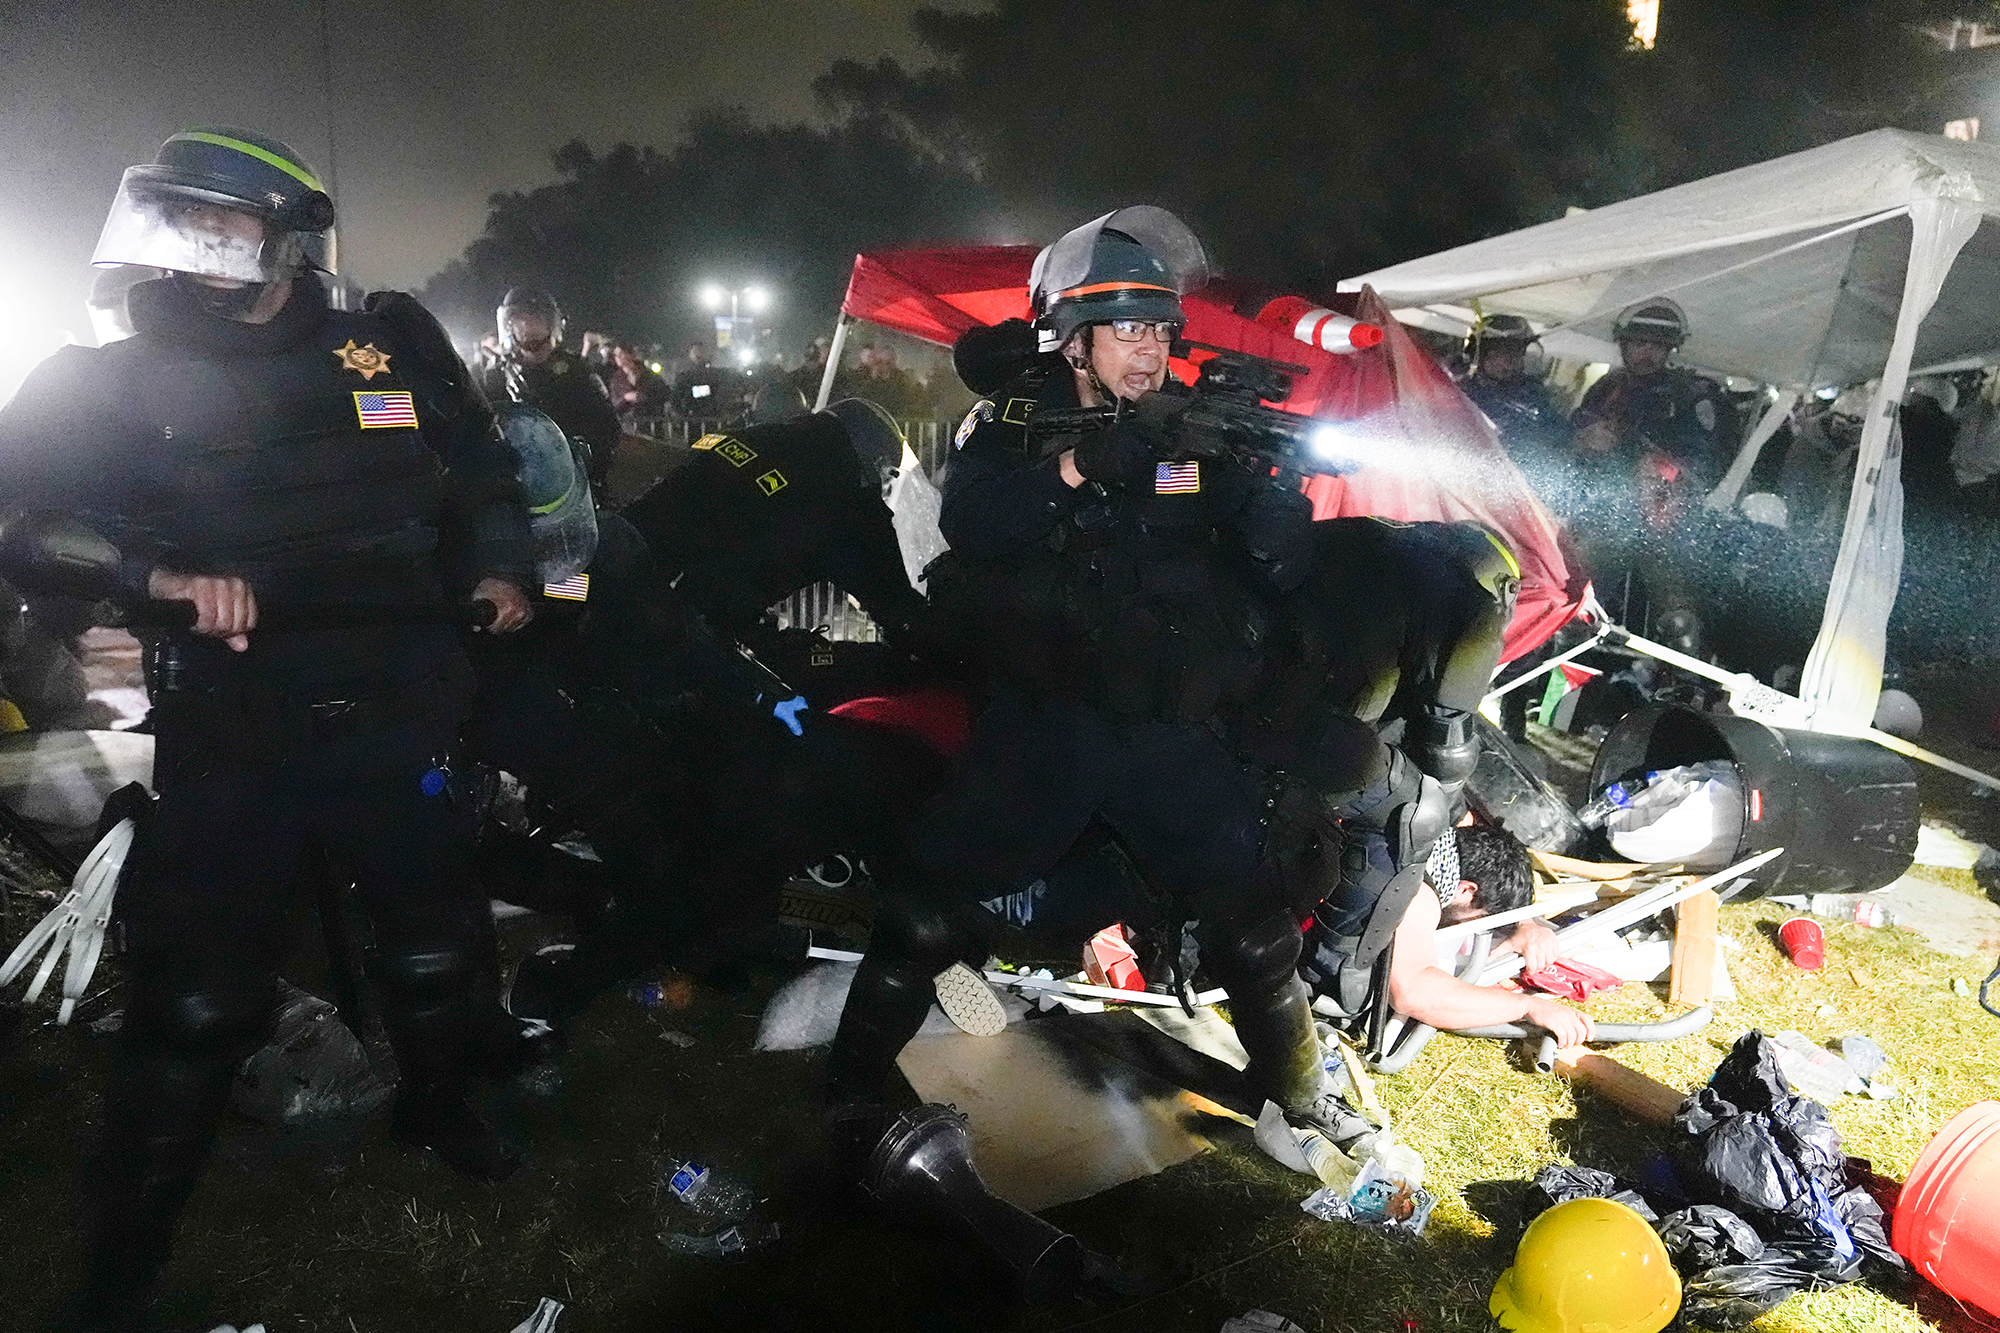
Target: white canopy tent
1868, 259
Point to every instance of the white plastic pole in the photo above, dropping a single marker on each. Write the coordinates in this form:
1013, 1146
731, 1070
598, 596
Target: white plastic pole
832, 363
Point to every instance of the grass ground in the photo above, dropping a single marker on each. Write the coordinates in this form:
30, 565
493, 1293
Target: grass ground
356, 1236
348, 1233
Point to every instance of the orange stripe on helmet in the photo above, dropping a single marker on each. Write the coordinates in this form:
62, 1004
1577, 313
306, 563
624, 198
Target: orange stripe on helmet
1096, 287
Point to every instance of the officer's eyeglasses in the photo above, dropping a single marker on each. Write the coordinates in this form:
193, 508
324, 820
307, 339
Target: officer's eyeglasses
1137, 330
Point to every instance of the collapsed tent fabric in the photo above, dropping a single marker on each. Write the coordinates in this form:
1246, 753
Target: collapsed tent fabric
1433, 457
1851, 262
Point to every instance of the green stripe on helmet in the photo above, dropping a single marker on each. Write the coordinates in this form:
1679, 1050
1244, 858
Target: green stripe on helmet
265, 155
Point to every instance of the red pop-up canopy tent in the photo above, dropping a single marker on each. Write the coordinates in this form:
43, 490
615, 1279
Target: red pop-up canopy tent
1430, 454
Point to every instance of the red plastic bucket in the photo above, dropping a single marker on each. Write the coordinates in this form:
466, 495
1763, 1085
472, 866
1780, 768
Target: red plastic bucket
1948, 1218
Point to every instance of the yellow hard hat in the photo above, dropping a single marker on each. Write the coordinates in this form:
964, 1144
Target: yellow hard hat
1588, 1266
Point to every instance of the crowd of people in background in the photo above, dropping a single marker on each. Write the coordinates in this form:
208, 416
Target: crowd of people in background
648, 385
1637, 466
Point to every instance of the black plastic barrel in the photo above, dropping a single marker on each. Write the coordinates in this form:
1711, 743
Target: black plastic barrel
1844, 809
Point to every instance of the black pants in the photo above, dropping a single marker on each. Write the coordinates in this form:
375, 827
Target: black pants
1035, 774
1038, 770
748, 805
205, 907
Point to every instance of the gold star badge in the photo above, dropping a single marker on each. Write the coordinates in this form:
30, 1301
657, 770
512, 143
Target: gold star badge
365, 359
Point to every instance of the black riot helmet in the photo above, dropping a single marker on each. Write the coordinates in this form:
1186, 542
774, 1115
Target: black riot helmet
877, 439
527, 303
1130, 264
159, 219
777, 400
1497, 331
1656, 321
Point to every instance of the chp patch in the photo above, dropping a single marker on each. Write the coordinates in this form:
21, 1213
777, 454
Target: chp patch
1182, 478
981, 411
727, 446
384, 411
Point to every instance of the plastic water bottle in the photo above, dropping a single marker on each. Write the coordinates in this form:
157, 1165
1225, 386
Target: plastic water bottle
1848, 907
1330, 1164
707, 1191
1615, 797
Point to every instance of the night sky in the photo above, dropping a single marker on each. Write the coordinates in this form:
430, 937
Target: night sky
436, 104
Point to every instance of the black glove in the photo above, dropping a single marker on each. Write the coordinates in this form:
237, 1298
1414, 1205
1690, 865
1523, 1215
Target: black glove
1277, 534
1119, 455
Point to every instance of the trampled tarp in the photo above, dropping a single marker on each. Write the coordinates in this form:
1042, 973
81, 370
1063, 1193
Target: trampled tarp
1432, 456
1868, 259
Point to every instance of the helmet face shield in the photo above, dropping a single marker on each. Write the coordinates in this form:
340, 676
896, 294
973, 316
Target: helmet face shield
1134, 263
561, 517
157, 223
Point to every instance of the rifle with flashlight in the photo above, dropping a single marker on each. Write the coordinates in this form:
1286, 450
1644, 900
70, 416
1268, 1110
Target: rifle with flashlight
1225, 416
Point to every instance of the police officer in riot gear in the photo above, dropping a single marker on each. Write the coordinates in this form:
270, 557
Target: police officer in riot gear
745, 519
1122, 591
1531, 424
534, 368
749, 516
1648, 404
248, 449
1651, 439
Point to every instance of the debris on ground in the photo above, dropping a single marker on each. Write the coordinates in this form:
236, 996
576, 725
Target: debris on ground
1760, 1203
735, 1241
311, 1068
1259, 1321
705, 1190
543, 1320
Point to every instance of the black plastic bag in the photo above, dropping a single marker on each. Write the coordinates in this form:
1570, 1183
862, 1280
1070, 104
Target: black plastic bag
1775, 1160
1560, 1184
311, 1068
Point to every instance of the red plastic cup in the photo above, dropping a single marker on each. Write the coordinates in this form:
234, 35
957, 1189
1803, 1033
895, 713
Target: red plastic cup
1805, 943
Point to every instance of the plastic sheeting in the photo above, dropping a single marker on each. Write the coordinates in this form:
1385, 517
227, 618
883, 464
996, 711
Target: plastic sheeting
1861, 260
1433, 456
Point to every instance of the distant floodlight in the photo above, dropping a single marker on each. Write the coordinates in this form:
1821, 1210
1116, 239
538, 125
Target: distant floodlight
756, 298
748, 358
714, 297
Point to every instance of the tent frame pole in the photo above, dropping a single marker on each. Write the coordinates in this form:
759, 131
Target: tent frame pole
833, 352
1730, 487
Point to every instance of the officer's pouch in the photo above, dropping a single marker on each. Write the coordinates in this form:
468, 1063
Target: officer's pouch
1301, 861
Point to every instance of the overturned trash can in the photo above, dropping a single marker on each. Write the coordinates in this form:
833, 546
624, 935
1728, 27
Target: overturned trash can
1844, 809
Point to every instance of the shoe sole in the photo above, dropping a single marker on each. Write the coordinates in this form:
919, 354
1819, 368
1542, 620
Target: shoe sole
969, 1002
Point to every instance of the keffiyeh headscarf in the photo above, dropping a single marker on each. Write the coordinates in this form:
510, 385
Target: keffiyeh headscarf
1441, 867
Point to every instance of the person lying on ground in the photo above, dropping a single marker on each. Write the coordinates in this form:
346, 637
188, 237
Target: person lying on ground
1471, 872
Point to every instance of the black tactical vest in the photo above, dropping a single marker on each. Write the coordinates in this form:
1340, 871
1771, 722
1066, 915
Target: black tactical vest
302, 471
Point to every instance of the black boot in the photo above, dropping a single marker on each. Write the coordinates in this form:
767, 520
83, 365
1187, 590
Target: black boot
160, 1122
427, 1001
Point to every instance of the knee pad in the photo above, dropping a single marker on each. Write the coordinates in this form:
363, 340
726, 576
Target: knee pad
1442, 743
218, 1024
1255, 955
439, 973
917, 935
1420, 822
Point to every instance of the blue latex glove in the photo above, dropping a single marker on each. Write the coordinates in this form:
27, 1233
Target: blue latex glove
788, 712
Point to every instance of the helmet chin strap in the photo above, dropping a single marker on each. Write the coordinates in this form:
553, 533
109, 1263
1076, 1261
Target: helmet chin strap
1088, 367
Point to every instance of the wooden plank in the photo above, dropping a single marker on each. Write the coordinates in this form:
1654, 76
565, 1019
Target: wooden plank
1694, 950
1569, 865
1646, 1098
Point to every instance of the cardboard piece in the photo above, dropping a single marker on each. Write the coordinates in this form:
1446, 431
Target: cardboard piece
1070, 1105
1695, 950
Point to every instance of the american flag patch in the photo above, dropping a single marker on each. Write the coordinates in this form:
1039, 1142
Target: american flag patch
385, 409
1182, 478
575, 588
